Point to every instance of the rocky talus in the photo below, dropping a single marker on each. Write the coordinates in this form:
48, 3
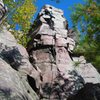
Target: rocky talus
46, 70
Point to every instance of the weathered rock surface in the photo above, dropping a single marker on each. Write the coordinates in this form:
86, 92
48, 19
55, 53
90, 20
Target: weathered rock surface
14, 70
53, 73
11, 85
86, 70
50, 51
15, 54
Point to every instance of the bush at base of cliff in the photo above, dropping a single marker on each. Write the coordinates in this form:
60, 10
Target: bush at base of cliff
90, 51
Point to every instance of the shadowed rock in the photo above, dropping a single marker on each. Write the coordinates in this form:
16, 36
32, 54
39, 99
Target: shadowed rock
89, 92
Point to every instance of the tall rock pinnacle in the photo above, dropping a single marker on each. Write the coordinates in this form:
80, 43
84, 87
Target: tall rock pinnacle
50, 51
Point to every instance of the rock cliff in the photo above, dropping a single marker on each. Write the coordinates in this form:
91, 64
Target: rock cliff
15, 68
48, 71
50, 50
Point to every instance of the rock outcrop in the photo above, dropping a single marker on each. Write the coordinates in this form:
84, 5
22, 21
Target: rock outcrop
86, 70
50, 50
49, 72
15, 69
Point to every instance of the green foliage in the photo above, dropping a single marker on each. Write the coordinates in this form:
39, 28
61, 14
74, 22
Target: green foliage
20, 37
77, 63
86, 18
23, 15
20, 13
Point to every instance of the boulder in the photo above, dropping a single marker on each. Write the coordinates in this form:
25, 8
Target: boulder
88, 92
12, 86
87, 70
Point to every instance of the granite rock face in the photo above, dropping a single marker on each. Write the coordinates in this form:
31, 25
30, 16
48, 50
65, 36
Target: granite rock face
12, 86
86, 70
50, 50
16, 55
91, 88
16, 70
49, 72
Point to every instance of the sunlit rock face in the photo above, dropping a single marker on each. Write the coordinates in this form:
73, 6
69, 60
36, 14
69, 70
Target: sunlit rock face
87, 70
50, 51
55, 74
14, 69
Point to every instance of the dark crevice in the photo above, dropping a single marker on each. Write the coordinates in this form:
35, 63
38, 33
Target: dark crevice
28, 91
32, 83
53, 52
13, 57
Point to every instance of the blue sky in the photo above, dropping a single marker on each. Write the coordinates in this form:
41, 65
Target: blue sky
64, 5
